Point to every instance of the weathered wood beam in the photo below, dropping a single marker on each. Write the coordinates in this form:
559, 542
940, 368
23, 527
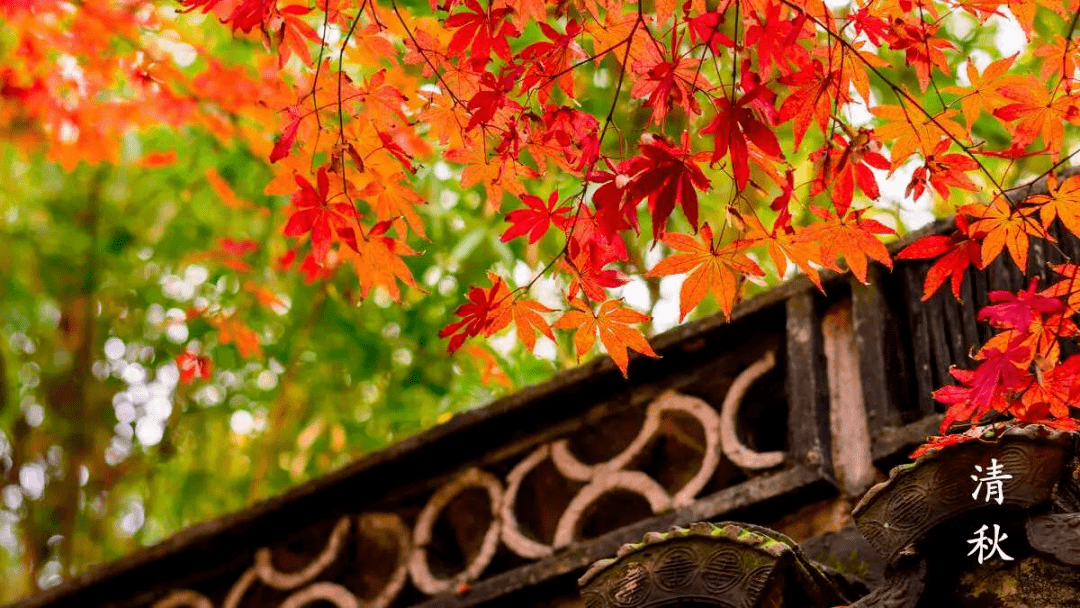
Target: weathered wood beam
809, 440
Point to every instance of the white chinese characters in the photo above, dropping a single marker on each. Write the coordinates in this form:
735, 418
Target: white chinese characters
987, 546
994, 481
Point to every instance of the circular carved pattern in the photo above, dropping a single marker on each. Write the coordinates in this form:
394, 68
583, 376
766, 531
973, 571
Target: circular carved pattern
327, 592
593, 600
272, 577
184, 597
675, 568
755, 584
391, 525
908, 507
1016, 460
722, 570
632, 588
418, 565
634, 481
511, 531
952, 483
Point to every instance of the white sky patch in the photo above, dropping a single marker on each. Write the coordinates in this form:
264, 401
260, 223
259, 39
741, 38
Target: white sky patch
505, 343
1009, 38
331, 34
545, 349
856, 113
442, 171
266, 380
665, 315
636, 294
133, 373
913, 213
13, 497
159, 408
670, 286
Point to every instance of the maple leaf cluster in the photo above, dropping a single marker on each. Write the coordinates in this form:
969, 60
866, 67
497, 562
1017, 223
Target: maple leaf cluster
1020, 371
726, 128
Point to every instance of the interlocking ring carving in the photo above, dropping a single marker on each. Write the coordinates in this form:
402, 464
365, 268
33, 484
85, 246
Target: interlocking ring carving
263, 571
599, 479
418, 564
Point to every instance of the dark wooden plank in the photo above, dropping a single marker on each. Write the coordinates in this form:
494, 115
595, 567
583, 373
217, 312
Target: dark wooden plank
920, 335
809, 437
1037, 258
968, 321
869, 317
892, 441
954, 327
981, 298
939, 336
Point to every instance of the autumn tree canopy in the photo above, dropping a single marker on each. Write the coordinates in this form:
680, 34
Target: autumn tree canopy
549, 175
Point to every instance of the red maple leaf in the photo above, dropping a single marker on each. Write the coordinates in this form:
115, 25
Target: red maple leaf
283, 146
479, 32
958, 252
734, 125
548, 63
922, 49
774, 38
477, 315
590, 244
942, 171
983, 389
706, 28
810, 97
590, 276
192, 365
667, 177
663, 83
316, 215
575, 132
1017, 311
537, 218
847, 163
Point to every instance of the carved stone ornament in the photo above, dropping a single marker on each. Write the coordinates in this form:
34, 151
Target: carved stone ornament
914, 520
729, 565
937, 487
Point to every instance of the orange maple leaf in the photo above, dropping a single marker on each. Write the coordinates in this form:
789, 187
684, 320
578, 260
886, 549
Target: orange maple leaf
377, 260
983, 94
1004, 227
710, 267
234, 331
1038, 113
613, 322
1062, 202
490, 370
909, 131
527, 318
785, 244
851, 237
